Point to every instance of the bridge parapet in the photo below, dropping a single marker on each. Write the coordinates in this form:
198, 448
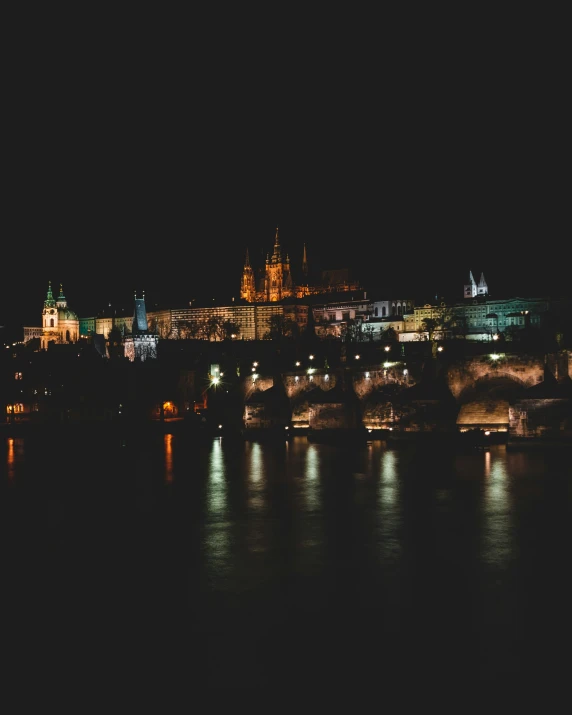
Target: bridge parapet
395, 373
297, 383
363, 381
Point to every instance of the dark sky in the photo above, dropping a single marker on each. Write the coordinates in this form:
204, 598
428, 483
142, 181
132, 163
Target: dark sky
150, 157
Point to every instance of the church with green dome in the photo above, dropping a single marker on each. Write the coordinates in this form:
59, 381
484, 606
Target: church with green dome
59, 323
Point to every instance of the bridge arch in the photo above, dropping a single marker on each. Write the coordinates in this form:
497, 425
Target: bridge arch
486, 371
498, 386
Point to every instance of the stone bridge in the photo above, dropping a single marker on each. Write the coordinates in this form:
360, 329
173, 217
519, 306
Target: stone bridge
495, 381
464, 378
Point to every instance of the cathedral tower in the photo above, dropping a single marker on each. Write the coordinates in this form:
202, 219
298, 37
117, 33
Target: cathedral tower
278, 280
248, 286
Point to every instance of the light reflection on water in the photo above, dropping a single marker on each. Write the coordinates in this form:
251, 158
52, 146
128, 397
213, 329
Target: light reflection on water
14, 450
168, 458
217, 534
388, 508
309, 553
312, 479
256, 499
497, 534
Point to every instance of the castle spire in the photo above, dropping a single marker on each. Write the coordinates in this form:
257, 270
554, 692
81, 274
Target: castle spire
277, 253
49, 296
304, 262
247, 260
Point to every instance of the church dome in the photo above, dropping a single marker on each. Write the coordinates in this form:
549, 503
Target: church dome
66, 314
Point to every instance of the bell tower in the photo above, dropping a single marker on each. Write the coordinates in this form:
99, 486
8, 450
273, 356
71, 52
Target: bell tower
50, 330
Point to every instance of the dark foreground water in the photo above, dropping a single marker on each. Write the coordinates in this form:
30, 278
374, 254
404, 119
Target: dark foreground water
166, 563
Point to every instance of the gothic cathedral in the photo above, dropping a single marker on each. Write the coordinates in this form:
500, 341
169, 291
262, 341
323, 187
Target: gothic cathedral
276, 282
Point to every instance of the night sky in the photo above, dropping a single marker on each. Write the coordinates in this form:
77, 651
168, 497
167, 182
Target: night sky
145, 162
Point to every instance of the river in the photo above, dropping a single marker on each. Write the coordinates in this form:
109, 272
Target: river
246, 565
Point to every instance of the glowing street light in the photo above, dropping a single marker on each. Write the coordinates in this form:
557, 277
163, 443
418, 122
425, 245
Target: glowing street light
387, 348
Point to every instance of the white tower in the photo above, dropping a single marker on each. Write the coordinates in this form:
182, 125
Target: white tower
471, 287
482, 288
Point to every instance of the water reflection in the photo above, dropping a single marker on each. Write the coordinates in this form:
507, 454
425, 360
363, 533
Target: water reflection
312, 478
388, 509
497, 534
216, 482
14, 446
305, 554
168, 458
217, 533
256, 499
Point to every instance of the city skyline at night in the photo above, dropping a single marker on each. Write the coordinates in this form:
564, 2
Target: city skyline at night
219, 282
120, 178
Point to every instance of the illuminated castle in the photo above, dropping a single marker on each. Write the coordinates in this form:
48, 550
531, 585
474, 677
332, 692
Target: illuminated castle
276, 282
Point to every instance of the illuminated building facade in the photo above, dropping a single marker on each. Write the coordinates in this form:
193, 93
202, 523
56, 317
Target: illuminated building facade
103, 324
252, 321
482, 319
